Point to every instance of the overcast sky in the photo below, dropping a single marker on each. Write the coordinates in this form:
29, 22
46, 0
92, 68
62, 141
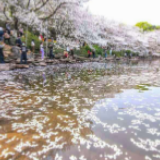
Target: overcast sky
127, 11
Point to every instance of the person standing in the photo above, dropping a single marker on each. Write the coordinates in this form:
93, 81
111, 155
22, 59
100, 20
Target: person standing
19, 42
7, 38
110, 52
1, 33
42, 51
105, 53
8, 28
89, 53
33, 47
66, 55
72, 52
24, 54
41, 38
51, 54
93, 54
68, 49
129, 54
1, 53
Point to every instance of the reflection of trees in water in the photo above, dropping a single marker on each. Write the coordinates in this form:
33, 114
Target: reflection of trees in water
54, 115
42, 129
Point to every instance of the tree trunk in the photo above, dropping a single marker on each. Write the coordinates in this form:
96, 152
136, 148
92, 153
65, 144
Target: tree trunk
16, 22
54, 34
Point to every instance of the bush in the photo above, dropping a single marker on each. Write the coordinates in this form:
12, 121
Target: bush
31, 36
145, 26
84, 50
58, 50
87, 48
123, 52
117, 53
99, 50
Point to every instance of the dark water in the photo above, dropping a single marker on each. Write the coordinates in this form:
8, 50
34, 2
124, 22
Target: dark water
89, 111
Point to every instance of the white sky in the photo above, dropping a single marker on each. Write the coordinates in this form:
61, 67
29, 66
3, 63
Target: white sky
127, 11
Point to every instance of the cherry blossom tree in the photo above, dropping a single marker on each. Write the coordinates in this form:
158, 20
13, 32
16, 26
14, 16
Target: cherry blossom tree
69, 22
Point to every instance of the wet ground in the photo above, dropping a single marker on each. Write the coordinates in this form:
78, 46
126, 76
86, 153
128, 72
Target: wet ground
90, 111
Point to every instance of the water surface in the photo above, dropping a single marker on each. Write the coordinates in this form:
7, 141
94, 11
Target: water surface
90, 111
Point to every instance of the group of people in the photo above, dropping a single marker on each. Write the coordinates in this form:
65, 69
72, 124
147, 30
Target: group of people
106, 53
42, 49
68, 52
5, 35
91, 53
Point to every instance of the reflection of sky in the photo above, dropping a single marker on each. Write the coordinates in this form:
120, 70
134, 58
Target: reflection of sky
134, 116
73, 116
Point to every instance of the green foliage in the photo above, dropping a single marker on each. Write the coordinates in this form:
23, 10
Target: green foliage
145, 26
118, 53
123, 52
58, 50
84, 50
157, 27
87, 48
135, 54
31, 36
98, 50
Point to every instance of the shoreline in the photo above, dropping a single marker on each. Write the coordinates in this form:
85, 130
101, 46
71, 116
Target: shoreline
13, 64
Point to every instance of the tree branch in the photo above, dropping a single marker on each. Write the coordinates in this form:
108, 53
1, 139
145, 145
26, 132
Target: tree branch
42, 5
4, 11
55, 11
29, 3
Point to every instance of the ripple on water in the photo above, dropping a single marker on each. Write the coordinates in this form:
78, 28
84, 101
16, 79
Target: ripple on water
91, 112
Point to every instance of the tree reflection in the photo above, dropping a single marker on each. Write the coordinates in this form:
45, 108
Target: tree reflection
49, 112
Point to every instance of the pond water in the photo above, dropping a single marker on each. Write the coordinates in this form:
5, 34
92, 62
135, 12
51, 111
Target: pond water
89, 111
